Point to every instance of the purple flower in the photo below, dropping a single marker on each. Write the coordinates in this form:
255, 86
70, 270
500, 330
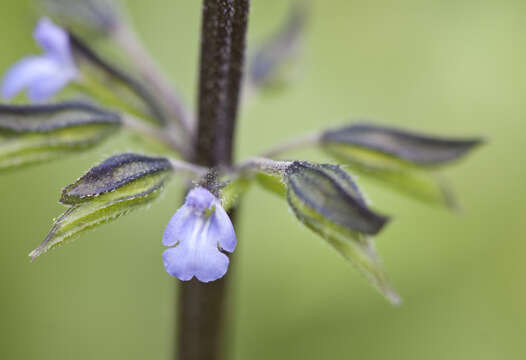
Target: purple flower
43, 75
199, 230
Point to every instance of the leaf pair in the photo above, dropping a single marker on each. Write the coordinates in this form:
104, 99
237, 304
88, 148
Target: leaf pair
36, 133
117, 186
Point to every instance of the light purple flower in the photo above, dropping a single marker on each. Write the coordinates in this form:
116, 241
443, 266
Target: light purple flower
199, 230
46, 74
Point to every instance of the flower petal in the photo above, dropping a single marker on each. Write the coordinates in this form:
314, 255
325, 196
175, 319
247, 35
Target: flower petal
181, 226
177, 263
47, 85
185, 261
213, 264
53, 40
25, 72
221, 229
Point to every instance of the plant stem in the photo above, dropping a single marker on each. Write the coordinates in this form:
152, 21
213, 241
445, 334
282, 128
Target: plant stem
202, 307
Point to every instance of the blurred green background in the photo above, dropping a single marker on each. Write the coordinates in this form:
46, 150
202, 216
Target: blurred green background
448, 67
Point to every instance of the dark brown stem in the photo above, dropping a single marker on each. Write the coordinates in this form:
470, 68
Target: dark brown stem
202, 307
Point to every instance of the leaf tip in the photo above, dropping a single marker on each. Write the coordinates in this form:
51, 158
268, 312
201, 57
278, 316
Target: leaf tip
393, 297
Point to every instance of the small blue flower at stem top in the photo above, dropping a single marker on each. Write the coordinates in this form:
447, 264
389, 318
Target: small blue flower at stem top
44, 75
199, 230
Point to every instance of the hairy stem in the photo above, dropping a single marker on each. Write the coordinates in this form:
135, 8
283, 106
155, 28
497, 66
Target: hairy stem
202, 307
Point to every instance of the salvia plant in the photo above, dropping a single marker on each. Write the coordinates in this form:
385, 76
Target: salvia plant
71, 98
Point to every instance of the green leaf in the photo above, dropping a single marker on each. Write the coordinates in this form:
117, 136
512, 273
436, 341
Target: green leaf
97, 17
402, 159
114, 173
105, 193
110, 84
330, 204
270, 64
231, 193
398, 146
326, 200
420, 184
36, 133
272, 182
332, 194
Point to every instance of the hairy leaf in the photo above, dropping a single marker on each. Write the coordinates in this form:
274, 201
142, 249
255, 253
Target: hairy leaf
112, 174
272, 182
398, 158
332, 194
231, 193
397, 146
35, 133
326, 200
103, 195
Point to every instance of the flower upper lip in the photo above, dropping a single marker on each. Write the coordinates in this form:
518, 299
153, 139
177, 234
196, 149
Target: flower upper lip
43, 75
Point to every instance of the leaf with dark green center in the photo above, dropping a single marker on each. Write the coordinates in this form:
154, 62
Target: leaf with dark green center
326, 200
401, 159
331, 193
36, 133
117, 186
398, 146
114, 173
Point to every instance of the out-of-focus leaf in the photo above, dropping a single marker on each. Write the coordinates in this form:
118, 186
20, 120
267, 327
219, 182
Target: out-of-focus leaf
99, 17
111, 84
270, 61
105, 193
399, 146
398, 158
35, 133
326, 200
421, 185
